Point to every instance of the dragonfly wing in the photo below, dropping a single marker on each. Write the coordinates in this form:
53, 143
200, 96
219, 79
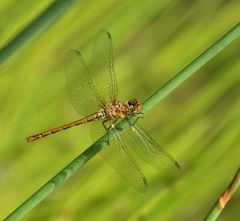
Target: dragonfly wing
97, 130
81, 89
102, 66
117, 155
151, 152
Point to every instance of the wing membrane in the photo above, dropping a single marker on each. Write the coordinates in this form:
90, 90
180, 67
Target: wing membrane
102, 66
117, 155
151, 152
81, 89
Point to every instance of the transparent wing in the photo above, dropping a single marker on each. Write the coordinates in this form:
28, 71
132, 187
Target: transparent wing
81, 89
97, 130
102, 65
118, 156
151, 152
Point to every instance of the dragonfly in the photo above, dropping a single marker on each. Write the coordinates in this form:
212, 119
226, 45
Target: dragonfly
96, 98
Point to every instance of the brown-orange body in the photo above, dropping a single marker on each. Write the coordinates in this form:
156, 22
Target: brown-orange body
115, 110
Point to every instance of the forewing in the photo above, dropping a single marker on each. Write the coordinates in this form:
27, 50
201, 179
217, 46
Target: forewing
151, 152
81, 89
102, 65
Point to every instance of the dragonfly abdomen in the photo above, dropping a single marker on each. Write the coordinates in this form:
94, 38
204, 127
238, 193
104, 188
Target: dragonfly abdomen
95, 116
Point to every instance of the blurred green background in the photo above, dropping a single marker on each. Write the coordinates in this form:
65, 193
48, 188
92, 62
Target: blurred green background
199, 123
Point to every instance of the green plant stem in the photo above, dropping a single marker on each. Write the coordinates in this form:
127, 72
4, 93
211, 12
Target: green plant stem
192, 67
53, 183
77, 163
224, 198
44, 20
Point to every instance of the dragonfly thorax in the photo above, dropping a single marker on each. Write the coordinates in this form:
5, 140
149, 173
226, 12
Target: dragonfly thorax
117, 110
121, 110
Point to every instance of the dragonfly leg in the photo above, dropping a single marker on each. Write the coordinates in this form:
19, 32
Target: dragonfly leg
105, 126
109, 127
140, 115
132, 121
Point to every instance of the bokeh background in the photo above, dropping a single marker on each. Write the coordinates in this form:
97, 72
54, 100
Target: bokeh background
199, 123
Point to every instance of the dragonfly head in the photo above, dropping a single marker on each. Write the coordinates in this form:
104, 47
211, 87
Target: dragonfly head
135, 106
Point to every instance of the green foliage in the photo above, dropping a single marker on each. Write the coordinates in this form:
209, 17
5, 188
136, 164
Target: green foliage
198, 123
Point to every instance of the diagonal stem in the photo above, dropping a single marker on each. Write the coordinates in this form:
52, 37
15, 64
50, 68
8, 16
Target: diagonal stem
190, 69
45, 19
78, 162
224, 198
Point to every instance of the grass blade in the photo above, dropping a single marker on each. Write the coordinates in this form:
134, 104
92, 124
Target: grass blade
46, 18
192, 67
77, 163
224, 198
